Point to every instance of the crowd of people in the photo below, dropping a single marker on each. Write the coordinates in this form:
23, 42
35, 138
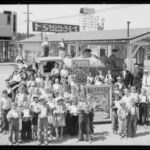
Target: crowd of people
35, 107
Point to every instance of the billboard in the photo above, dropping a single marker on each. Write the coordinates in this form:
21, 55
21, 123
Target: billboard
87, 10
100, 98
82, 64
50, 27
81, 69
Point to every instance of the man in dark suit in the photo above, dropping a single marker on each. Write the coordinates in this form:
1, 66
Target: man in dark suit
137, 78
126, 77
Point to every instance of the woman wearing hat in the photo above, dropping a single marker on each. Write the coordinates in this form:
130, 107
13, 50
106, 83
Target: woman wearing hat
59, 117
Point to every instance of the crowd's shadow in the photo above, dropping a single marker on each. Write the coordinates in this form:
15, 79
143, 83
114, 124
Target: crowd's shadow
100, 136
97, 136
142, 134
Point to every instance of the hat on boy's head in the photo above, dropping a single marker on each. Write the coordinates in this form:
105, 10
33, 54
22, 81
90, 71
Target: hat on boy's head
35, 96
59, 99
118, 78
41, 98
122, 103
4, 92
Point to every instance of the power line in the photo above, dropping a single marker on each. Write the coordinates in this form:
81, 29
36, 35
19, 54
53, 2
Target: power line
76, 15
28, 20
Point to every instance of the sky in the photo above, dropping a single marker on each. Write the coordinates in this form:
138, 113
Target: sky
116, 16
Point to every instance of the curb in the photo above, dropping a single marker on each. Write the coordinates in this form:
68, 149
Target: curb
9, 64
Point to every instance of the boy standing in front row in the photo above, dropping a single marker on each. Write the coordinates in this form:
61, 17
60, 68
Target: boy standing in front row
13, 119
122, 119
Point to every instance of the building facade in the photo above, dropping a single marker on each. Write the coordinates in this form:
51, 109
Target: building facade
8, 29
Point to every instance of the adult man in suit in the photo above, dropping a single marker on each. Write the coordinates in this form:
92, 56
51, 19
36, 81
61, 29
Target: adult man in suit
137, 78
126, 77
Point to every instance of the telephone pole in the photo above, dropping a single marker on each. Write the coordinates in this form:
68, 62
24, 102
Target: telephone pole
28, 20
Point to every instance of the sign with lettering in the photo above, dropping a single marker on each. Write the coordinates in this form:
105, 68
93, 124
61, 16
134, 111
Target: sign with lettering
81, 65
50, 27
87, 10
100, 98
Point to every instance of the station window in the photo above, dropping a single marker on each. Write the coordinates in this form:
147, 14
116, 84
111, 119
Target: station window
8, 20
102, 52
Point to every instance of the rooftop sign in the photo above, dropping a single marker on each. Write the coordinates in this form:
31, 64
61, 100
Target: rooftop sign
49, 27
87, 10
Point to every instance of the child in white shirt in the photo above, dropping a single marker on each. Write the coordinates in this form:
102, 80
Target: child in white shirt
13, 119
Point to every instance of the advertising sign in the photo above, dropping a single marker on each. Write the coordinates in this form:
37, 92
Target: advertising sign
87, 10
81, 64
50, 27
100, 97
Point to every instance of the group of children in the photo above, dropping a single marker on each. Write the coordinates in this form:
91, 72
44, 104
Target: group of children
128, 110
42, 108
34, 107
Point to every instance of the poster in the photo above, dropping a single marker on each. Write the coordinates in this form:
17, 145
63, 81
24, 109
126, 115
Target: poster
100, 97
81, 65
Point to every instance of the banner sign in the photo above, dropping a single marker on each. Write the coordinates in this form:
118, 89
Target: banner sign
59, 28
81, 64
100, 97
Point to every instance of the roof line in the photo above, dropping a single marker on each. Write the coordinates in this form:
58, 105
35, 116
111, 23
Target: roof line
110, 40
139, 36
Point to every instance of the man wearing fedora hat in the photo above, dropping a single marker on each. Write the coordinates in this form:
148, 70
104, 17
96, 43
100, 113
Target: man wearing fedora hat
126, 76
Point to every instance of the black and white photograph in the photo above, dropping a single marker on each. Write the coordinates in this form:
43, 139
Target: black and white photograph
74, 74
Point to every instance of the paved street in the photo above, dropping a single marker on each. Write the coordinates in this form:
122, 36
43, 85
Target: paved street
103, 134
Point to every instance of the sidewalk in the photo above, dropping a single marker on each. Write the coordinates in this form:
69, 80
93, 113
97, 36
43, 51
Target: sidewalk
8, 64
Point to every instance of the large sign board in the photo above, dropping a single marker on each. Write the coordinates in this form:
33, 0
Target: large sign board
81, 69
87, 10
100, 97
50, 27
81, 64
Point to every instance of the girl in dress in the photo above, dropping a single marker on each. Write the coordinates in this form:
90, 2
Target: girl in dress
59, 117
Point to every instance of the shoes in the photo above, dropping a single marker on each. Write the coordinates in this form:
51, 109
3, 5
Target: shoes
17, 143
39, 143
4, 132
46, 143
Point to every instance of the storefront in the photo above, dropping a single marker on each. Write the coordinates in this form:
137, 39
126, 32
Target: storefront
107, 43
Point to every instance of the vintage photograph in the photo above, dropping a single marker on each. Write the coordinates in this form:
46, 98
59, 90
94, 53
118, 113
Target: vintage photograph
74, 74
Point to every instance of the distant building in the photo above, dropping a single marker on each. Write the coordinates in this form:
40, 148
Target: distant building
8, 29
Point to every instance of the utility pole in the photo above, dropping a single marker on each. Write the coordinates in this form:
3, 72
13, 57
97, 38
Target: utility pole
28, 20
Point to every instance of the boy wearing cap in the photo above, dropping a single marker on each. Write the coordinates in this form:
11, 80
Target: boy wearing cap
122, 113
26, 132
5, 107
34, 110
43, 111
115, 106
13, 119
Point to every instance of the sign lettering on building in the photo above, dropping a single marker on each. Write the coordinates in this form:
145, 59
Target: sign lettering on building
49, 27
